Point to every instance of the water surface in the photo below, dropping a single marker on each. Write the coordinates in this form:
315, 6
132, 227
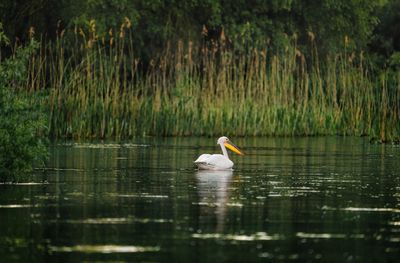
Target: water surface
302, 199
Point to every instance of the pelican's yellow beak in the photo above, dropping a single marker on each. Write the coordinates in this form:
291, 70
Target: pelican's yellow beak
233, 148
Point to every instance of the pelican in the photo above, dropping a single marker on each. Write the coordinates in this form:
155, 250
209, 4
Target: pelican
218, 161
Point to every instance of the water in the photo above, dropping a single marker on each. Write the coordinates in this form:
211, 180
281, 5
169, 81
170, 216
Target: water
300, 199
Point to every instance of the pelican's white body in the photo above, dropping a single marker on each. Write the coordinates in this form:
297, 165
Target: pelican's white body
215, 161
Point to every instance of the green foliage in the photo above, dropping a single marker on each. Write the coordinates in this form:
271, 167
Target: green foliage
155, 23
338, 24
20, 121
386, 39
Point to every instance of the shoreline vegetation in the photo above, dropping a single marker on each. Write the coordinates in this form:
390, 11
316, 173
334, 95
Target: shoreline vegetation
96, 88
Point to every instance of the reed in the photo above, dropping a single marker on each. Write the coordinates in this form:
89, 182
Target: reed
98, 90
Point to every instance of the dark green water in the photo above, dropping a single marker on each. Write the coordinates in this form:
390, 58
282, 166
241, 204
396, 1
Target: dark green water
301, 199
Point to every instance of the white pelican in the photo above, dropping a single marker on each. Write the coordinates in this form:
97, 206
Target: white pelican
218, 161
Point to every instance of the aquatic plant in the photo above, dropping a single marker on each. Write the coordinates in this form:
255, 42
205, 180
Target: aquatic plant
101, 89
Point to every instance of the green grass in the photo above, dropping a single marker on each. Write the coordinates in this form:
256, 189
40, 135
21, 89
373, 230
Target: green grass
97, 91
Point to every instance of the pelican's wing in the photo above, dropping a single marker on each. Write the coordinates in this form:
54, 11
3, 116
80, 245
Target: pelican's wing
220, 161
214, 162
203, 158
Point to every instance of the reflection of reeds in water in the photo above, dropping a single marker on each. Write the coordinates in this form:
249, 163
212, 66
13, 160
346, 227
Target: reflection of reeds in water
96, 90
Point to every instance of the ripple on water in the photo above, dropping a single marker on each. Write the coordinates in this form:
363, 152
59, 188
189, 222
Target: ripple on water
328, 236
372, 209
107, 145
364, 209
110, 221
209, 204
104, 249
231, 204
141, 195
254, 237
24, 184
15, 206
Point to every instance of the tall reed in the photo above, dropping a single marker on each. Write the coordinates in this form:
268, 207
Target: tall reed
97, 90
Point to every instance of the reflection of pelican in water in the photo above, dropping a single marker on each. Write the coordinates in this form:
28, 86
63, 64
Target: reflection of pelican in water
213, 190
218, 161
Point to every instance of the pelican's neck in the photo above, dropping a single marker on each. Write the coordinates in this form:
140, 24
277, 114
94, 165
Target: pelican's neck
225, 153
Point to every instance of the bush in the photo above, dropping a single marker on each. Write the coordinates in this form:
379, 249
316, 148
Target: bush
21, 122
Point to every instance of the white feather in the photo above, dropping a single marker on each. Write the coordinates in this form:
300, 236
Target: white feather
213, 162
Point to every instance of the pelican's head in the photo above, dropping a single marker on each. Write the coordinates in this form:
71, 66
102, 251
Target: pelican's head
228, 144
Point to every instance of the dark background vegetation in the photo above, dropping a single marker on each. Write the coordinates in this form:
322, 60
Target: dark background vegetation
372, 26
